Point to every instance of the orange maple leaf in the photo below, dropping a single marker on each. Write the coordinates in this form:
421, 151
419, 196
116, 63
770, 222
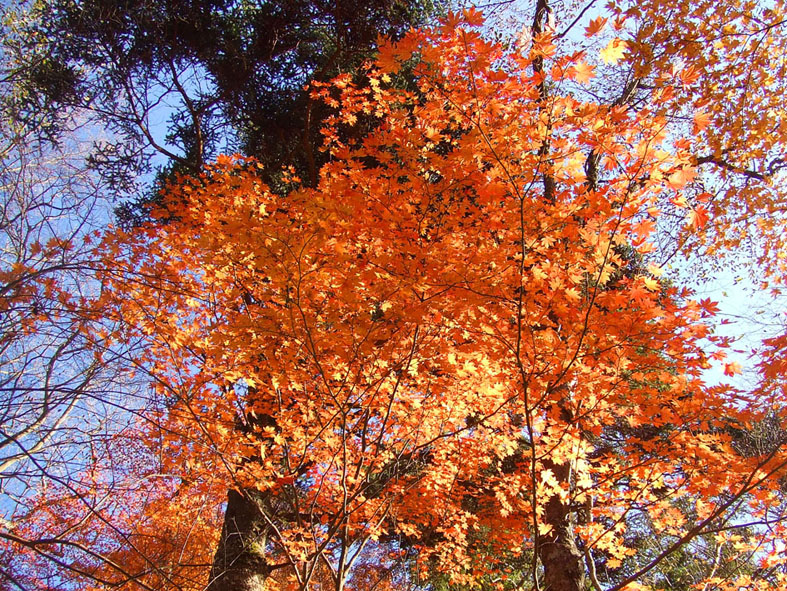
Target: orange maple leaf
583, 72
698, 217
701, 120
596, 25
681, 177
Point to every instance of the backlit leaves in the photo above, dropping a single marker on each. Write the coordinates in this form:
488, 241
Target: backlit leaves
458, 333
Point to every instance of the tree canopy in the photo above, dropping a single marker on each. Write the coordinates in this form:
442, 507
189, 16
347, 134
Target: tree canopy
456, 358
223, 75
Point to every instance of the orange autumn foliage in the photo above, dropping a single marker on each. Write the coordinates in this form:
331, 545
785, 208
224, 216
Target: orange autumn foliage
451, 338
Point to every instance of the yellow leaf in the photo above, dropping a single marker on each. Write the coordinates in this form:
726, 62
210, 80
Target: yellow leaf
613, 52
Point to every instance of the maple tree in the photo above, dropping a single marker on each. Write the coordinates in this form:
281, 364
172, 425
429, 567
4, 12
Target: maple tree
457, 352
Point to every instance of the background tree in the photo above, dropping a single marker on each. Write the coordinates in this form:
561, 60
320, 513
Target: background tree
63, 393
224, 75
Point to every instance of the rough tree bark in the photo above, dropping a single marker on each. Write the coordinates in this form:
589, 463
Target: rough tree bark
564, 569
239, 563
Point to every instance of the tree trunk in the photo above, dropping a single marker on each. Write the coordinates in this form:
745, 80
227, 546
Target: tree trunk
239, 563
563, 566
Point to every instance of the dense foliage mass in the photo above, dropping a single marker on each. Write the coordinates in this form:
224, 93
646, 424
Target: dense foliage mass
454, 359
178, 82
